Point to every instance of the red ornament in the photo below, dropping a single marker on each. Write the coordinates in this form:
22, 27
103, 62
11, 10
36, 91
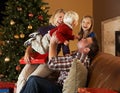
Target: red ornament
40, 17
30, 15
18, 68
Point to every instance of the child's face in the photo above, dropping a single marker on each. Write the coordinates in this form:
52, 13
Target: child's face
58, 19
86, 24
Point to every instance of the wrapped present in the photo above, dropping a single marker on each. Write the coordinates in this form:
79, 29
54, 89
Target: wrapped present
95, 90
4, 85
36, 58
5, 90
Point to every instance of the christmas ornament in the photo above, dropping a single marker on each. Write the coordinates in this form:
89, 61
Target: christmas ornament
19, 8
43, 7
30, 15
7, 59
16, 36
40, 17
18, 68
1, 75
8, 41
12, 22
22, 35
29, 26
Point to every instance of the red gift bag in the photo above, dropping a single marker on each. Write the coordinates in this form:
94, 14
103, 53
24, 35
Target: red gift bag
36, 58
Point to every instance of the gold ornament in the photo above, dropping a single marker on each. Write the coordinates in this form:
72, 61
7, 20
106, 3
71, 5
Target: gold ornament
16, 36
12, 22
7, 59
22, 35
29, 26
19, 8
1, 75
43, 7
8, 41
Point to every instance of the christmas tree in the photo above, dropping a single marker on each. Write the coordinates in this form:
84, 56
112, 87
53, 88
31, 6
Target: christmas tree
22, 17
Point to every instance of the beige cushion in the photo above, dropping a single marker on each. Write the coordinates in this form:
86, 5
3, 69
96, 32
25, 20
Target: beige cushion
77, 77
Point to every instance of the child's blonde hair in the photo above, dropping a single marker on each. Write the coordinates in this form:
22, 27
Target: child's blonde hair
70, 17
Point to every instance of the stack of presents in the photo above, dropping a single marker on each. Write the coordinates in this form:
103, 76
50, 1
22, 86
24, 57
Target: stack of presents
7, 87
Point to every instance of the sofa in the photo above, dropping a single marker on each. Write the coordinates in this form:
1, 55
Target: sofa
104, 72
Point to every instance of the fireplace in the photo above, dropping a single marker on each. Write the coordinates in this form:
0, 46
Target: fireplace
117, 43
111, 36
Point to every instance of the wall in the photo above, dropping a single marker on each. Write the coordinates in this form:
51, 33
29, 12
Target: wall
82, 7
103, 10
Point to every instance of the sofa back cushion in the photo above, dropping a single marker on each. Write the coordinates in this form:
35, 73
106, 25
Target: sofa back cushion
104, 72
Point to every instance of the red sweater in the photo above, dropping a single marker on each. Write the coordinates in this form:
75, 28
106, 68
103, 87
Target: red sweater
63, 32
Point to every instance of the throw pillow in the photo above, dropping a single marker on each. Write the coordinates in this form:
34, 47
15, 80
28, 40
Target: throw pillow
77, 77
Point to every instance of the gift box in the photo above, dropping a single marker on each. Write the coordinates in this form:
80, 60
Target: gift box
4, 85
4, 91
7, 87
36, 58
95, 90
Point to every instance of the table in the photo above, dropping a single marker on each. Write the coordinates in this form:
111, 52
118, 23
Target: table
95, 90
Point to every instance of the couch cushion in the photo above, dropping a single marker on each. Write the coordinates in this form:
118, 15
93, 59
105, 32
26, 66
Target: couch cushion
104, 72
76, 77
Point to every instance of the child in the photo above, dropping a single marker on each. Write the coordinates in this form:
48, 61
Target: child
63, 33
87, 23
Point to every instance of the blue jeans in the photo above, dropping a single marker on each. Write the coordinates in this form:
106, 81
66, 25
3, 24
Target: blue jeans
37, 84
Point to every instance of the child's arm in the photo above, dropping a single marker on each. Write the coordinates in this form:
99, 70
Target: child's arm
76, 37
27, 54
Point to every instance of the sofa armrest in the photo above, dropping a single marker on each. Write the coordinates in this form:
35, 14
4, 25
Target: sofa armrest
104, 72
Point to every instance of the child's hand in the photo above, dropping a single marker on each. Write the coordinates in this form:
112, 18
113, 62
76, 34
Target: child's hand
27, 58
66, 43
77, 37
